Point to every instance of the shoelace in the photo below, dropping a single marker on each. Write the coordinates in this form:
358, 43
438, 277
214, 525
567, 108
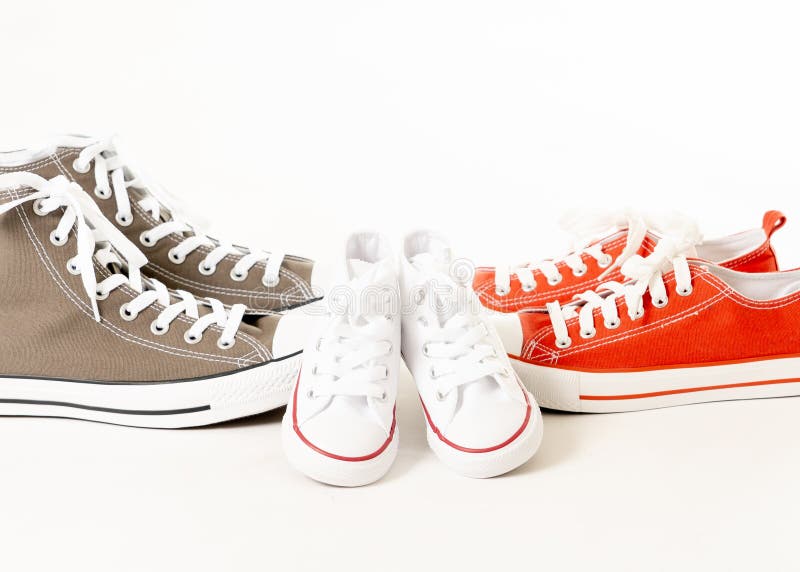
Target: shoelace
92, 227
585, 226
458, 346
646, 274
350, 351
109, 162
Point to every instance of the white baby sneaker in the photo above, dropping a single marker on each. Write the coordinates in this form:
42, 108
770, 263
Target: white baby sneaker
481, 421
340, 426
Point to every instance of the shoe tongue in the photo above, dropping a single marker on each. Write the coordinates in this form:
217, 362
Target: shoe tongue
357, 268
430, 263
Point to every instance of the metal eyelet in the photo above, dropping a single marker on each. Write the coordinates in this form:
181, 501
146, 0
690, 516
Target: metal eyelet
37, 208
580, 271
586, 334
100, 294
563, 343
529, 287
660, 302
190, 338
605, 261
238, 276
146, 239
58, 240
554, 281
126, 314
72, 267
685, 291
612, 325
271, 282
158, 329
502, 291
175, 257
123, 219
226, 344
102, 193
206, 270
76, 165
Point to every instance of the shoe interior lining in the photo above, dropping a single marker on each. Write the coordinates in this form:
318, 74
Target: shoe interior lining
730, 247
763, 286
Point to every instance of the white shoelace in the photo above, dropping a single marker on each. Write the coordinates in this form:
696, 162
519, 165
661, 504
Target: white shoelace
646, 274
108, 162
460, 353
586, 226
456, 341
92, 227
350, 352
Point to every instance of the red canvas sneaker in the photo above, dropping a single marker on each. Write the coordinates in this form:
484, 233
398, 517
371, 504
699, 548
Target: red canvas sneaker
504, 289
683, 331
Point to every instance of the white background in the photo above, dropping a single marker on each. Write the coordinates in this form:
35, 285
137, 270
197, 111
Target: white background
292, 123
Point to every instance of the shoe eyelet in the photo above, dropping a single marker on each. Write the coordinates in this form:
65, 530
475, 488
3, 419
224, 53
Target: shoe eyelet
563, 343
555, 281
126, 314
270, 281
146, 239
605, 261
580, 271
613, 324
78, 168
685, 291
58, 240
440, 396
72, 267
425, 351
123, 219
100, 294
175, 257
660, 302
102, 193
502, 291
191, 338
639, 313
226, 344
158, 329
206, 270
586, 334
433, 373
310, 394
383, 397
238, 276
37, 208
529, 287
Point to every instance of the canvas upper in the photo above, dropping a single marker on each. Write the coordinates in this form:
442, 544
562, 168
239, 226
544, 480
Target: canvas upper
179, 254
600, 261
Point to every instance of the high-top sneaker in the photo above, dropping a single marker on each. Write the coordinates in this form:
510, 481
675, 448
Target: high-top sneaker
85, 335
179, 254
340, 426
481, 420
602, 243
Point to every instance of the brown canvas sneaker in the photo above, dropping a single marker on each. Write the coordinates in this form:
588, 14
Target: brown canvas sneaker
85, 335
179, 254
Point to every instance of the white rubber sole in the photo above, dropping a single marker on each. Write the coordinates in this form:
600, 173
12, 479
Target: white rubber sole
592, 392
165, 405
334, 471
492, 463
